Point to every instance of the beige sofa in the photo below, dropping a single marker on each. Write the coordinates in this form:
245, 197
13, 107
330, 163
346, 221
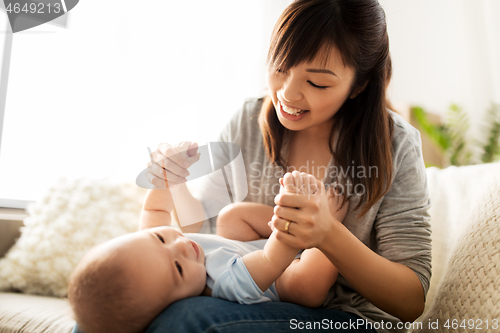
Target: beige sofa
464, 199
23, 312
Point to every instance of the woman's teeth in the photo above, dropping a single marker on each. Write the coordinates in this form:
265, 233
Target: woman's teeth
291, 111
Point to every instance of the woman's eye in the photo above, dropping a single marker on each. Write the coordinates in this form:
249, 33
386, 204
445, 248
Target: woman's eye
315, 86
160, 238
179, 268
280, 72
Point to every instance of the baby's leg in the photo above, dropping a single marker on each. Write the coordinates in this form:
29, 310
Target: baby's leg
307, 280
245, 221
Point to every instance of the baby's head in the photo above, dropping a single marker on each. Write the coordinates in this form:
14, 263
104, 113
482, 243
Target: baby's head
123, 284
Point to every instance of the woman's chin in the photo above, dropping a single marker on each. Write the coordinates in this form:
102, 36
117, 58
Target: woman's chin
290, 125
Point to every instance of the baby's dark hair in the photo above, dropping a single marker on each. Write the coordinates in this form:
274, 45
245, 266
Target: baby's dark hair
101, 294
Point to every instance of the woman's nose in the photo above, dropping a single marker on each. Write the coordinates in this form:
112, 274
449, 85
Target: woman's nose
290, 91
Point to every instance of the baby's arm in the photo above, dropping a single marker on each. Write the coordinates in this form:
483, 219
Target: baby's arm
245, 221
265, 266
158, 207
158, 204
308, 279
268, 265
156, 210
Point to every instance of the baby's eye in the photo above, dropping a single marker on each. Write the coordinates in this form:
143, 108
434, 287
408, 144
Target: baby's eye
179, 268
160, 238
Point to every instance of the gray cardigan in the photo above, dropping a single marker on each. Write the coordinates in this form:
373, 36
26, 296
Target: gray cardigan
397, 227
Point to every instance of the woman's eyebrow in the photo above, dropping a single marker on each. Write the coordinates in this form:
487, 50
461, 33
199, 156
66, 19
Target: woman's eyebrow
312, 70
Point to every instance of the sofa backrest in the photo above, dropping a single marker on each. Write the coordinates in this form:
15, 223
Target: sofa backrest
454, 193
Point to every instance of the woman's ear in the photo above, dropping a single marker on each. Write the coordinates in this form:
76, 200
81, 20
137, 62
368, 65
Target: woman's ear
358, 91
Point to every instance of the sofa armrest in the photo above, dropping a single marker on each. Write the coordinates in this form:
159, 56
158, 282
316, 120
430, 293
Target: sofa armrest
11, 221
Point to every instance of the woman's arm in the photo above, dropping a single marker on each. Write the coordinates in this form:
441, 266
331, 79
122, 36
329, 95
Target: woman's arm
391, 286
396, 276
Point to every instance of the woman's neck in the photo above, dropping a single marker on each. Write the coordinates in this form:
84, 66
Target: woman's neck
311, 138
318, 134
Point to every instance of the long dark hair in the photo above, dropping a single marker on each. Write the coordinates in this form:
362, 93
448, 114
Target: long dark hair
357, 28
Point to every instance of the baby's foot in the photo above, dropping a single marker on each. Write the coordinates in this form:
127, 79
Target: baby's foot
300, 183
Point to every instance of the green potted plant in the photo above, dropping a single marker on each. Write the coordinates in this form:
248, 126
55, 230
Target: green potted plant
451, 135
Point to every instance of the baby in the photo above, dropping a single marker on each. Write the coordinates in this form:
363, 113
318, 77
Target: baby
123, 284
248, 221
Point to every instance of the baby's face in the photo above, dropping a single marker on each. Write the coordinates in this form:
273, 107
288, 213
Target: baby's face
165, 266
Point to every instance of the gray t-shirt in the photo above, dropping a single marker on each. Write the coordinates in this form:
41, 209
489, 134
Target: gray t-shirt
397, 227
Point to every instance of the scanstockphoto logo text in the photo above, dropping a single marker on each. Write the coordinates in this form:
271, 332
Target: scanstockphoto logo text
25, 15
263, 178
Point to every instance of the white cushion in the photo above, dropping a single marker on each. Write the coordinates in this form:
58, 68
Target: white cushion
72, 217
470, 287
454, 192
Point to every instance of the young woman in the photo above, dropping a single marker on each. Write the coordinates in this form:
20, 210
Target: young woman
326, 114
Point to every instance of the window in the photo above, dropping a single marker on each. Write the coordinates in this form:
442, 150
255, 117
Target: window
86, 100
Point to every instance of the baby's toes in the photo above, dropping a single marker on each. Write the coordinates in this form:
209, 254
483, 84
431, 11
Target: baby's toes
321, 187
312, 182
297, 179
289, 184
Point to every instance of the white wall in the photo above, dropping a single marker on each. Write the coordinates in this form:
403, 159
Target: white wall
89, 99
443, 52
446, 51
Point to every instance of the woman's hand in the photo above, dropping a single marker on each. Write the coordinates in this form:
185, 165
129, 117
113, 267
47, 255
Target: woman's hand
309, 214
168, 166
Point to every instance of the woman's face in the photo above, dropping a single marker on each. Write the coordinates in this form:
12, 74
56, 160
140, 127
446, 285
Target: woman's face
317, 91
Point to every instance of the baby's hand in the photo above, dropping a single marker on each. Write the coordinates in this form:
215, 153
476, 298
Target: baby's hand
300, 183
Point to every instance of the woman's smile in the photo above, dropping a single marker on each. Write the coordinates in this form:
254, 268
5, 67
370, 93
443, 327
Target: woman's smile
290, 108
291, 114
